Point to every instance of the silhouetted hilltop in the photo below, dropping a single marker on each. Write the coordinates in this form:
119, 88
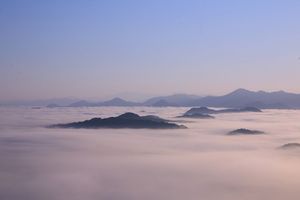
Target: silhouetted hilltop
290, 146
155, 118
126, 120
243, 131
205, 110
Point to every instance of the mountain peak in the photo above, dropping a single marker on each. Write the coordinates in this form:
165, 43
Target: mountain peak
118, 102
129, 115
117, 99
240, 91
280, 92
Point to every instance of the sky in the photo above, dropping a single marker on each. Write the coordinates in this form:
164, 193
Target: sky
95, 49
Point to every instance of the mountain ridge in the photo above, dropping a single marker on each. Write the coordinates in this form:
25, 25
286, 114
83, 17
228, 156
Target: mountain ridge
260, 99
238, 98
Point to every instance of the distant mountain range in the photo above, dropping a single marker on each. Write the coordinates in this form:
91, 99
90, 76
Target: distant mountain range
237, 99
112, 102
44, 102
172, 100
245, 98
162, 101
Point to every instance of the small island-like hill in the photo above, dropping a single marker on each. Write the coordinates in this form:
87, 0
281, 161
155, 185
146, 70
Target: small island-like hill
205, 110
290, 146
126, 120
243, 131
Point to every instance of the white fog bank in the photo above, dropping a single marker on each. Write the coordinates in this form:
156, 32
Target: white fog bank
200, 162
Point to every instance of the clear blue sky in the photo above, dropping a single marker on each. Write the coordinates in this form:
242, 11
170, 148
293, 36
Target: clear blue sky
98, 48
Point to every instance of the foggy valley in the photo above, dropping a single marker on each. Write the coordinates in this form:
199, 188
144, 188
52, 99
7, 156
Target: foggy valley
201, 162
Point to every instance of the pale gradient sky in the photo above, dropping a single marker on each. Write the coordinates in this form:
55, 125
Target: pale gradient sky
99, 48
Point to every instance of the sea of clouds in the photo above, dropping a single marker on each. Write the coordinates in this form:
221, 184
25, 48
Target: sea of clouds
200, 162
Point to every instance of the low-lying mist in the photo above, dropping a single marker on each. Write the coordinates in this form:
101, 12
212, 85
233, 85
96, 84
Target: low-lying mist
201, 162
